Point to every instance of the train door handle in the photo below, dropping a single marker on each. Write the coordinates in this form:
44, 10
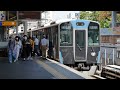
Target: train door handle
79, 47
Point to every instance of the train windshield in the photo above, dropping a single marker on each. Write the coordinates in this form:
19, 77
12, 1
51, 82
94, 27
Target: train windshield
93, 34
66, 34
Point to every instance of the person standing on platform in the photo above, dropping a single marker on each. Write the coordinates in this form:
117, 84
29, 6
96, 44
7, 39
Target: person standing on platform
24, 44
31, 48
36, 42
44, 46
11, 44
17, 47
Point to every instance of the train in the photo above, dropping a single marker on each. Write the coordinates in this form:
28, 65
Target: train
73, 42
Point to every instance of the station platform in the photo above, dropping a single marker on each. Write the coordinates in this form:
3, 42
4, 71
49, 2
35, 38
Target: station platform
37, 69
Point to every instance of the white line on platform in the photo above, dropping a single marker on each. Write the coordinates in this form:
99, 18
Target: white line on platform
51, 70
72, 70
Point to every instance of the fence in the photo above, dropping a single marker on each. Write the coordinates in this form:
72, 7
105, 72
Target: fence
107, 56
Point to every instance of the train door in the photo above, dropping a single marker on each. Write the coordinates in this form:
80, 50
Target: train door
50, 37
55, 43
80, 45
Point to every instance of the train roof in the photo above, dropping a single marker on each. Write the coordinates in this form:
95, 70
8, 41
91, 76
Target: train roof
80, 20
73, 20
66, 20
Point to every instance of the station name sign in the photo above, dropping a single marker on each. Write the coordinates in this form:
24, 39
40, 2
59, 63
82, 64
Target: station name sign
7, 23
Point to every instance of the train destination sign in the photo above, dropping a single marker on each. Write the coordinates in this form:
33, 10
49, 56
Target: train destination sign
93, 27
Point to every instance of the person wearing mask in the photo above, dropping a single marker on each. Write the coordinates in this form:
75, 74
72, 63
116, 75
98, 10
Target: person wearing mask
31, 48
24, 44
17, 47
28, 48
10, 48
44, 46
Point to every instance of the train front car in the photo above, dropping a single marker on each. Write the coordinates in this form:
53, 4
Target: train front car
79, 42
93, 42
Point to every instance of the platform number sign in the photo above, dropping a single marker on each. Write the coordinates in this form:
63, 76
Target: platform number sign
2, 16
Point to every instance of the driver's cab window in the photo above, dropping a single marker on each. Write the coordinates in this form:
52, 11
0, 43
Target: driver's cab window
66, 34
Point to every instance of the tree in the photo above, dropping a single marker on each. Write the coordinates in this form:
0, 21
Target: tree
84, 15
103, 17
118, 17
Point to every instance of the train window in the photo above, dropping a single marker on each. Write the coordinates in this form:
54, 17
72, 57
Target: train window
80, 23
93, 34
93, 38
80, 38
66, 34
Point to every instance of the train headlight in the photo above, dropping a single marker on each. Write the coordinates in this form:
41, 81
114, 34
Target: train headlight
93, 53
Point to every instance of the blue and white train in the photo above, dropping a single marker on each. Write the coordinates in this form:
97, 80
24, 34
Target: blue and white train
73, 41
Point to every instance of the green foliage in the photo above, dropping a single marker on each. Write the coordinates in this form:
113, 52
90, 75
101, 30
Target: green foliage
103, 17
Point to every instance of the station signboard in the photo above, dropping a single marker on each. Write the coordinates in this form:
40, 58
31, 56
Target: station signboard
29, 15
8, 23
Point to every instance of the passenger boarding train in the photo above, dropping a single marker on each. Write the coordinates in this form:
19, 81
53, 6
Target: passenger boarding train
73, 42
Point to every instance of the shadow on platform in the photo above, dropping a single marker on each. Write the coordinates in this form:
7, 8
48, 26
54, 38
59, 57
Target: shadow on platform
22, 70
